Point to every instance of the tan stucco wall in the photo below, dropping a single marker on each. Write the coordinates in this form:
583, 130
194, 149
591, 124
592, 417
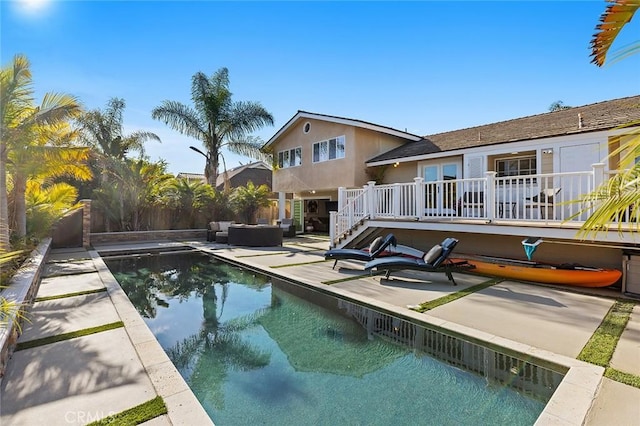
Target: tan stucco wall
405, 172
350, 172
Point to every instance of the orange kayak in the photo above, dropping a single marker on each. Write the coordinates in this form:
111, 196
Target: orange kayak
565, 274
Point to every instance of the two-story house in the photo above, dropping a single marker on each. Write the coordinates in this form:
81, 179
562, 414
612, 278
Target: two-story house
490, 185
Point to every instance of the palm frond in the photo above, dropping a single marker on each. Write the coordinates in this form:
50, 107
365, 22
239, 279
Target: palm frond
614, 18
56, 107
181, 118
247, 117
251, 147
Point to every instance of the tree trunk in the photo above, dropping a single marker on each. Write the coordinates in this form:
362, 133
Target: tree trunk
211, 170
20, 204
4, 210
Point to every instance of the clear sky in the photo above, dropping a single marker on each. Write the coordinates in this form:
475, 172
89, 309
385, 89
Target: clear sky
425, 67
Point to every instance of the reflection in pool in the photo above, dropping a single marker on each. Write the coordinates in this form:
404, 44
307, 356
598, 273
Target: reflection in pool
255, 350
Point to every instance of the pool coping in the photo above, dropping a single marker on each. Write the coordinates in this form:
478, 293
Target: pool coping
182, 405
569, 404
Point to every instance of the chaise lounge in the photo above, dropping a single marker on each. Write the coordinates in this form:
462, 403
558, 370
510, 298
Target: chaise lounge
435, 260
376, 247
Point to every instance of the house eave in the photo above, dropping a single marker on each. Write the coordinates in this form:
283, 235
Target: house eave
340, 120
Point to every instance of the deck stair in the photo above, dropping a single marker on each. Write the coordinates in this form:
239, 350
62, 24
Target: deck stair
356, 234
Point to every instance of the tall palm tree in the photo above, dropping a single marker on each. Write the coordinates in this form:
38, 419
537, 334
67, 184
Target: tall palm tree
103, 131
216, 120
24, 126
15, 96
47, 156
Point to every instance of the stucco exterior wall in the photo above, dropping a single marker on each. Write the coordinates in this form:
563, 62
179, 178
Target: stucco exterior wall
405, 172
350, 171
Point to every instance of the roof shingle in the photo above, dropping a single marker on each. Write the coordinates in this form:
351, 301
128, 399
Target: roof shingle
595, 117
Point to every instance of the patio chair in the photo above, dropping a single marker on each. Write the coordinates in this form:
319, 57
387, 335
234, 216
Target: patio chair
473, 200
262, 221
543, 202
375, 248
435, 260
288, 227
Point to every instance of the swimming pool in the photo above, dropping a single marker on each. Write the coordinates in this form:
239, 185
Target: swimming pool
256, 350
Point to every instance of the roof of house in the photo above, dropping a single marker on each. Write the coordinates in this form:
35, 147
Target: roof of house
190, 176
257, 179
594, 117
341, 120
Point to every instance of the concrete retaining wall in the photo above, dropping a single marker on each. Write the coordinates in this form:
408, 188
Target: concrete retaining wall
133, 236
21, 290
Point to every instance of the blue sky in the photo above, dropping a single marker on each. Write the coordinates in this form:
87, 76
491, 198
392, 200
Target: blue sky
426, 67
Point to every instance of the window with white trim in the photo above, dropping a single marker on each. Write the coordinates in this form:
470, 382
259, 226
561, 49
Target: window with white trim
331, 149
290, 158
516, 166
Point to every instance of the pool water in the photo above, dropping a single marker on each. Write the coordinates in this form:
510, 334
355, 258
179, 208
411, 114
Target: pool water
255, 350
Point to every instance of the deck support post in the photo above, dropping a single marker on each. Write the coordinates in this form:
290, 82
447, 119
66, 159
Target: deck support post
490, 196
419, 194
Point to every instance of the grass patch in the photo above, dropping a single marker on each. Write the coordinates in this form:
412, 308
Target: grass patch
286, 265
274, 253
136, 415
77, 293
423, 307
619, 376
351, 278
66, 336
599, 349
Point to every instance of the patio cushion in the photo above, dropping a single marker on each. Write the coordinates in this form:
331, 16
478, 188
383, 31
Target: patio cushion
375, 244
432, 254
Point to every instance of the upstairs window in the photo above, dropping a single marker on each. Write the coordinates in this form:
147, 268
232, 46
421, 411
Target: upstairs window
290, 158
516, 166
331, 149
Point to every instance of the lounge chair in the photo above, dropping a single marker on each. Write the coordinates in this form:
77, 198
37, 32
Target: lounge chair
435, 260
376, 247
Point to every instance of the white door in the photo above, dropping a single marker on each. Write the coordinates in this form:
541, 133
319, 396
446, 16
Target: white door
577, 158
440, 194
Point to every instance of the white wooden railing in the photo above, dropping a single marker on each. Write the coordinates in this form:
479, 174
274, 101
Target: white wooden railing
540, 198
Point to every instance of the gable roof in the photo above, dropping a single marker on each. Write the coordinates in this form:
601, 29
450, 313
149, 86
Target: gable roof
257, 178
594, 117
340, 120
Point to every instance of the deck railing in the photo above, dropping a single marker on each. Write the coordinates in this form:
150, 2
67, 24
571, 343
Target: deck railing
539, 198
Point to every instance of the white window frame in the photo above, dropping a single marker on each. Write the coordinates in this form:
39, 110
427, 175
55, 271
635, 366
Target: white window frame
290, 158
519, 171
324, 149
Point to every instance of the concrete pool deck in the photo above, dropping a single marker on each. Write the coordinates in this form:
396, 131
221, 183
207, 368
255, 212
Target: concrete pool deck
79, 380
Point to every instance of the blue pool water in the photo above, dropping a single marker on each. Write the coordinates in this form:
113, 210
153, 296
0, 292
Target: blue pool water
256, 351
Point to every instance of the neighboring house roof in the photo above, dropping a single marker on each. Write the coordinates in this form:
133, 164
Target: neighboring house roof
340, 120
589, 118
191, 176
258, 172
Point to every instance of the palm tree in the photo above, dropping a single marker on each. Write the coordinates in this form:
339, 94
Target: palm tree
103, 131
15, 96
617, 198
24, 128
248, 199
216, 121
48, 156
